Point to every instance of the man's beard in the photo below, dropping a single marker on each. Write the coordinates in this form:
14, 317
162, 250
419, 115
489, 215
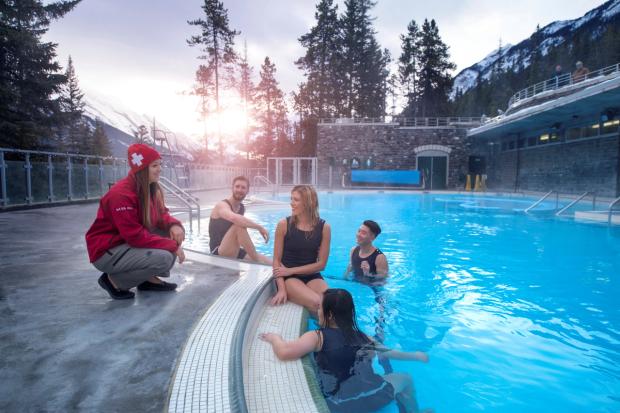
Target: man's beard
238, 197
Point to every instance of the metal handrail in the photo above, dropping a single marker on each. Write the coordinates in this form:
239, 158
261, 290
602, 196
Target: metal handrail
264, 179
535, 204
189, 206
184, 196
577, 200
179, 189
558, 82
415, 122
611, 207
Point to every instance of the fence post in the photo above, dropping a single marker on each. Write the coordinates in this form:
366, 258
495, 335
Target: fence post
101, 192
50, 179
114, 169
4, 199
28, 168
86, 178
69, 179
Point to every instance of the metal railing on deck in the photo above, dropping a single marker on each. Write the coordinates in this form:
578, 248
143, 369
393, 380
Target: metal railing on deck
29, 177
427, 122
561, 81
36, 177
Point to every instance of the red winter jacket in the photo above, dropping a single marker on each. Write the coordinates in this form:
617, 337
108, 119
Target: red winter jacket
119, 221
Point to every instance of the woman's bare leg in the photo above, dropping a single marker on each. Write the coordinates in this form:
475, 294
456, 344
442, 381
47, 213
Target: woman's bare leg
302, 294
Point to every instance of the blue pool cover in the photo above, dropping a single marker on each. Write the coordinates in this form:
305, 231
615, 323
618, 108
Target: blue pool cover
410, 177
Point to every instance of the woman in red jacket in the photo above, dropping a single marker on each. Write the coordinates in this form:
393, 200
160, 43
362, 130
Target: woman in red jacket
134, 240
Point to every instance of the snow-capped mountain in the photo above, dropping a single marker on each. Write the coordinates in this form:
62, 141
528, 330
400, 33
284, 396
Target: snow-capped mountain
121, 124
518, 57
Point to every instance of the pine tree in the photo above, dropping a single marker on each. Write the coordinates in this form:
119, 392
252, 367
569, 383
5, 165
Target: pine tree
29, 80
271, 112
408, 66
204, 88
216, 41
321, 61
246, 92
76, 133
100, 141
363, 65
435, 80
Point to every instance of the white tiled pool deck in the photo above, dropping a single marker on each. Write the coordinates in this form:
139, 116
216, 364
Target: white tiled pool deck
204, 380
273, 385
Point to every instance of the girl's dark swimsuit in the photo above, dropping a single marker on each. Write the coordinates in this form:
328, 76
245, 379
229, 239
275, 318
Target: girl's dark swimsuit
346, 376
302, 248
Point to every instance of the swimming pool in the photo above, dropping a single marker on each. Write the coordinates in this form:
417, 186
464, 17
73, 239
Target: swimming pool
517, 312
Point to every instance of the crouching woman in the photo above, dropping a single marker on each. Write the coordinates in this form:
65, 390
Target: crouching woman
344, 355
134, 240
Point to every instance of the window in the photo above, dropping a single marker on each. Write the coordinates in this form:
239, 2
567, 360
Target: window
573, 133
554, 137
504, 146
521, 143
531, 141
544, 138
611, 126
511, 145
590, 131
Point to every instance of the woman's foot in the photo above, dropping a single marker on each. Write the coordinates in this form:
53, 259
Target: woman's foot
106, 283
155, 284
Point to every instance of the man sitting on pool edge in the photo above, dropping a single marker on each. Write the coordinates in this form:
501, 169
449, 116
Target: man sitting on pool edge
367, 263
228, 228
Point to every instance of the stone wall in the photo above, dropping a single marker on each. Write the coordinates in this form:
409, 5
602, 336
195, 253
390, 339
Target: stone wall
389, 147
571, 167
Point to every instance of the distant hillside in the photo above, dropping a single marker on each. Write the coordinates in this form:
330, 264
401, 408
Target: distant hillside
486, 86
120, 124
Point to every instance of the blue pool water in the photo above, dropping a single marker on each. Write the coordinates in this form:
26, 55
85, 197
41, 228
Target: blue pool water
517, 312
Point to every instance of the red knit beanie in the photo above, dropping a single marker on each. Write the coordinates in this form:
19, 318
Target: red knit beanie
140, 156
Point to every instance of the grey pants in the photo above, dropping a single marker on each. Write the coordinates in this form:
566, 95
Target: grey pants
128, 267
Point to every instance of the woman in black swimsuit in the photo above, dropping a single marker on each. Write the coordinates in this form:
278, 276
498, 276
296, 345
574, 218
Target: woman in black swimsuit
300, 251
344, 356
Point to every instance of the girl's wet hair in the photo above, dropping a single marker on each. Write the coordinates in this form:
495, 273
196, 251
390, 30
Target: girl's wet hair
338, 306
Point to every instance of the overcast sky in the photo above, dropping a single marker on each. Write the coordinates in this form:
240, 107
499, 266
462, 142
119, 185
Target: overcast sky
136, 52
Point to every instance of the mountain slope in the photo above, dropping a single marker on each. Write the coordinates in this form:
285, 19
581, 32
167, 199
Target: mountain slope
520, 56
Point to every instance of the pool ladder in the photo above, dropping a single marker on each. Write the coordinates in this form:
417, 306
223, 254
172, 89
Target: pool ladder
535, 204
611, 209
185, 197
585, 194
564, 209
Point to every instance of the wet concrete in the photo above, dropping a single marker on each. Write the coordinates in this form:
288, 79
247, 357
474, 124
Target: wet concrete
64, 344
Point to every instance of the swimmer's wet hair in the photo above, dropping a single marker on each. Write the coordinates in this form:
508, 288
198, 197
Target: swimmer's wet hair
373, 226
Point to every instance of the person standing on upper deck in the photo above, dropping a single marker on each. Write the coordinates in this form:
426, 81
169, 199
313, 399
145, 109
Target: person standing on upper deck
581, 72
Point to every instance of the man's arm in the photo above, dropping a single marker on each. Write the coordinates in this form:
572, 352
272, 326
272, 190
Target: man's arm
382, 266
348, 271
222, 210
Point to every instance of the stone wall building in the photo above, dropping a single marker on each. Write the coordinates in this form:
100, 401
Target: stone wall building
441, 153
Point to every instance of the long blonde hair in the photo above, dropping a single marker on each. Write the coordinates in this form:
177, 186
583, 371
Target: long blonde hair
310, 201
147, 192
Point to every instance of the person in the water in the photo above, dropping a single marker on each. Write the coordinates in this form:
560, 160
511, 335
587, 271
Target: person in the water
344, 356
366, 262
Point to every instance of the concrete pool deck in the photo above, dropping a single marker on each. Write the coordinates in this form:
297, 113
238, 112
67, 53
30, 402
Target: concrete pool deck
65, 345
